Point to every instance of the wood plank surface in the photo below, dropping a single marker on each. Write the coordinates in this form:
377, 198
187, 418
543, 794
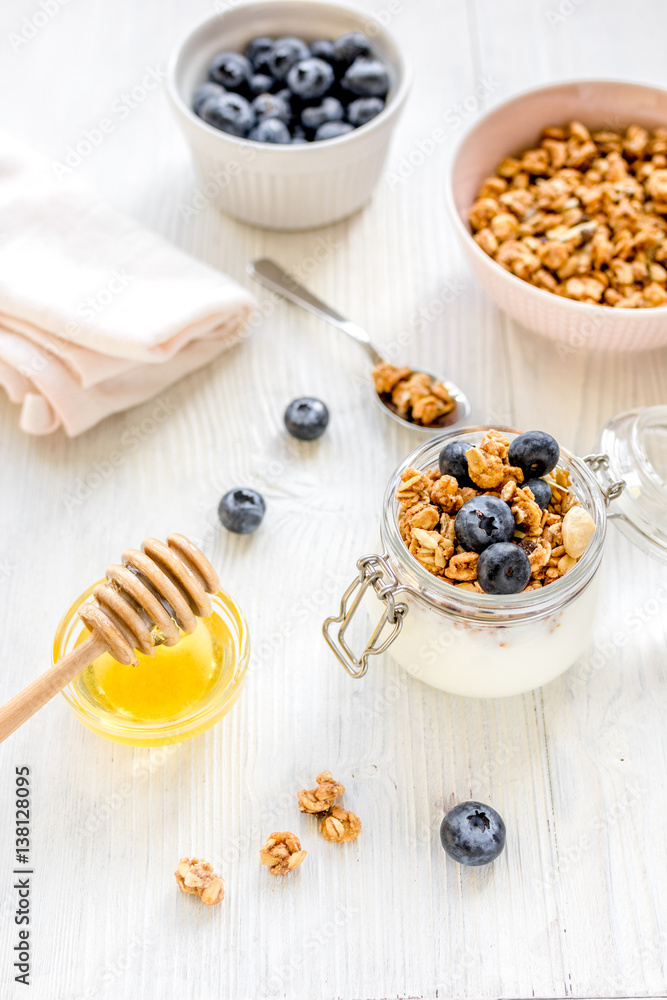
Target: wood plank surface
576, 906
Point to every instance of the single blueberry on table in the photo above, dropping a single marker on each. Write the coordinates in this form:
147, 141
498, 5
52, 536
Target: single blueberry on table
473, 833
366, 78
306, 418
257, 48
272, 106
331, 130
285, 52
540, 490
330, 110
535, 453
231, 70
363, 110
322, 49
453, 462
503, 568
230, 113
260, 83
310, 79
270, 130
241, 510
484, 521
202, 94
349, 47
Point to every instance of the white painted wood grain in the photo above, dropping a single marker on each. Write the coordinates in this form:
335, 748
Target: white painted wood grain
576, 905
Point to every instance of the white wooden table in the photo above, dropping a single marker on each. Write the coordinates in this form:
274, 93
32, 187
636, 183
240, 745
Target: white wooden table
576, 905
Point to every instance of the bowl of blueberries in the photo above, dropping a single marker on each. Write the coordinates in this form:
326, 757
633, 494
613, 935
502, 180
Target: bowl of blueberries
288, 107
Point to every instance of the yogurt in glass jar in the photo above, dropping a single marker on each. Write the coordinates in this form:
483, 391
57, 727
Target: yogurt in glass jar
479, 644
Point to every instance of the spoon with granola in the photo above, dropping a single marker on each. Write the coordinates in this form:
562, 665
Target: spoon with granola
411, 396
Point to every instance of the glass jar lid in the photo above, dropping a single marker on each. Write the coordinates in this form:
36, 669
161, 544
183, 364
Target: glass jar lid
635, 446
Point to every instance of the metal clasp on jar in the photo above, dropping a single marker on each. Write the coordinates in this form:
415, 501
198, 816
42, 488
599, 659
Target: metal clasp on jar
610, 490
374, 571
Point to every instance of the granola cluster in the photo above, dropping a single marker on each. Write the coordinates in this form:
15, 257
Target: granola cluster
553, 538
322, 798
414, 395
196, 876
583, 215
337, 825
282, 853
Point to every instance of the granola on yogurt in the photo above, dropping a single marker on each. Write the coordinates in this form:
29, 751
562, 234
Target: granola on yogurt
465, 521
582, 215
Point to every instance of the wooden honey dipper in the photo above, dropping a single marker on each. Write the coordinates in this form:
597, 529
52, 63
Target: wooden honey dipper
154, 597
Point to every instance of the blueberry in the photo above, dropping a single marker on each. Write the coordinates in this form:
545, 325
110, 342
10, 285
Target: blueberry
310, 79
503, 568
270, 130
349, 47
540, 490
257, 49
330, 130
231, 70
535, 452
299, 137
241, 510
284, 54
484, 521
330, 110
306, 418
260, 83
366, 78
472, 833
322, 49
230, 113
202, 94
363, 109
271, 106
261, 60
453, 462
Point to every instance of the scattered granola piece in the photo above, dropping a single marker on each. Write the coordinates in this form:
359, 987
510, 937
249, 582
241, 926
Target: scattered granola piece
322, 798
282, 853
196, 876
340, 825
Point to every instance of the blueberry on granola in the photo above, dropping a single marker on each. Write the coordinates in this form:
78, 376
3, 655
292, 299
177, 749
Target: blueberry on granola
472, 833
453, 462
503, 568
535, 453
540, 490
484, 521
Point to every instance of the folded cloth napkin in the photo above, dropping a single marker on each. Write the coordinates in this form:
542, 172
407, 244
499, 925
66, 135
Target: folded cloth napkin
96, 313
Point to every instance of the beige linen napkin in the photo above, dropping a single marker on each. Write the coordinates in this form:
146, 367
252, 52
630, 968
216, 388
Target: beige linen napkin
96, 313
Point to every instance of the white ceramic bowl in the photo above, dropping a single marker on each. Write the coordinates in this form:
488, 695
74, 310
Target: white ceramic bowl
513, 126
281, 186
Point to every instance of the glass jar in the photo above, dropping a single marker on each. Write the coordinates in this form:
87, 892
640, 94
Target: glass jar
182, 691
490, 646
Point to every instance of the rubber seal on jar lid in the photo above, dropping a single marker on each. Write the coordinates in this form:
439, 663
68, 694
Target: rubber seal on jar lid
636, 445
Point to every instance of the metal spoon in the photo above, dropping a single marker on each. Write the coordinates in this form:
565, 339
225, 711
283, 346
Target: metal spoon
272, 275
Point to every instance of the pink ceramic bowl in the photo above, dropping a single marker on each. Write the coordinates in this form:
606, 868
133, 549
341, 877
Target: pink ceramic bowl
513, 126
